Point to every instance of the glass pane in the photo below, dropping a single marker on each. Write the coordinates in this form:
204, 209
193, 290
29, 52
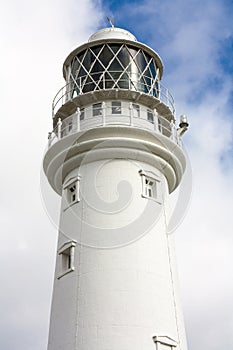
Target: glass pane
147, 57
136, 110
80, 56
153, 69
81, 73
88, 85
105, 56
115, 66
132, 51
97, 109
124, 81
124, 56
115, 47
96, 49
116, 107
141, 62
89, 58
97, 67
74, 65
150, 117
109, 82
82, 115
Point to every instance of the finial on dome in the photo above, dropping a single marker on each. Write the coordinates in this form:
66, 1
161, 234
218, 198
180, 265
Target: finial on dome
111, 21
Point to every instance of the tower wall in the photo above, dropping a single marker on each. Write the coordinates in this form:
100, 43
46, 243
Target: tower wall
122, 289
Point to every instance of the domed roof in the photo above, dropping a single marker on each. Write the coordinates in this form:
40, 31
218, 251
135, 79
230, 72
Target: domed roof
112, 33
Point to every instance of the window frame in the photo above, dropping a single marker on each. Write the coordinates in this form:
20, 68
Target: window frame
151, 186
72, 183
150, 116
97, 109
118, 105
66, 253
136, 110
82, 114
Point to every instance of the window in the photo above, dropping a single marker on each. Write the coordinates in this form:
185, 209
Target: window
136, 110
116, 107
97, 109
66, 258
151, 187
72, 191
150, 116
82, 113
70, 126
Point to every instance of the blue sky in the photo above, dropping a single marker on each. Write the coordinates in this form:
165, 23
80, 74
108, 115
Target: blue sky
195, 40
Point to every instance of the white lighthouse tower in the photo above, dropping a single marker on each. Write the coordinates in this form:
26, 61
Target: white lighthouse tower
114, 156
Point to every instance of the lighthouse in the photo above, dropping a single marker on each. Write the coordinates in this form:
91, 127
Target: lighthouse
114, 156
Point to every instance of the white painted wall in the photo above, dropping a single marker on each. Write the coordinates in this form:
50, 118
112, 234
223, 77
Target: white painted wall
123, 290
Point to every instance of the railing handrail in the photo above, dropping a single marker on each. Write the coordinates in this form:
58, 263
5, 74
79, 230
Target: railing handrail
64, 93
73, 123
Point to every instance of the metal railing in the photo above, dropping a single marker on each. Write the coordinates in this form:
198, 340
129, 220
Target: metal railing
96, 116
112, 80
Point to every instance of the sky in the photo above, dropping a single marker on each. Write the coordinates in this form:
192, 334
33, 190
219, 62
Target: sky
195, 40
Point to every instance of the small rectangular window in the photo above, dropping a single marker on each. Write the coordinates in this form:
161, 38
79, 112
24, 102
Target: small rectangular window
150, 186
136, 110
66, 254
97, 109
150, 116
82, 113
70, 126
116, 107
72, 191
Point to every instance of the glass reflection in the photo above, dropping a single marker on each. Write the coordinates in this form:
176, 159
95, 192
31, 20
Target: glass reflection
113, 66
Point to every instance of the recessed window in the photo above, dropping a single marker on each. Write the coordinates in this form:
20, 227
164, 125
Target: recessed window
151, 186
70, 126
97, 109
66, 258
136, 110
72, 191
82, 113
150, 116
116, 107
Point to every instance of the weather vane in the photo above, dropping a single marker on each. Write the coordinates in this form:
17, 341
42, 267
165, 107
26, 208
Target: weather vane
111, 21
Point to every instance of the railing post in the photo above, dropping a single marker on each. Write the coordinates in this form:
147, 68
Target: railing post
167, 97
59, 124
172, 125
131, 113
103, 113
78, 118
104, 80
80, 86
159, 90
156, 124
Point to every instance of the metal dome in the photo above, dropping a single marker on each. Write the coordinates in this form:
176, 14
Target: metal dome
112, 33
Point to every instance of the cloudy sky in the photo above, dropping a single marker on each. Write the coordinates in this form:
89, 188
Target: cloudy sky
195, 40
